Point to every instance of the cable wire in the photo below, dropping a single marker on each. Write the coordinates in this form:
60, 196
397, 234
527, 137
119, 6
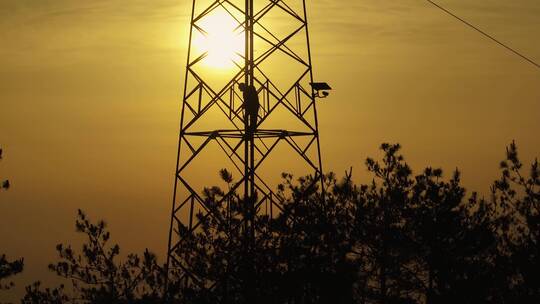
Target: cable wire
485, 34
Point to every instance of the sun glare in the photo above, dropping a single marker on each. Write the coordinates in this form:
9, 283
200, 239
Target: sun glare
222, 41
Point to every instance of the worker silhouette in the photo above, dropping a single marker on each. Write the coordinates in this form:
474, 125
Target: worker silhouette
251, 106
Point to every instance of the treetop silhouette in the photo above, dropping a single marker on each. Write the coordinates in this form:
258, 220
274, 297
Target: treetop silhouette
402, 238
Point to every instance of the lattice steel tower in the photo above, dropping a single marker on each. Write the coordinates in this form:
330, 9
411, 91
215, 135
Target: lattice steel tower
238, 114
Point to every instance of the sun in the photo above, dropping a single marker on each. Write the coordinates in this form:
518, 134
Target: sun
221, 39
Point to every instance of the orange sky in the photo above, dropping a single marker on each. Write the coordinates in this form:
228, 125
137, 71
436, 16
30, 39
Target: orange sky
89, 95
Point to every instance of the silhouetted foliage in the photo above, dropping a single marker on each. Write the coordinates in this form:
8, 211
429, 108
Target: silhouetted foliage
95, 274
517, 199
3, 184
426, 241
9, 269
35, 294
402, 238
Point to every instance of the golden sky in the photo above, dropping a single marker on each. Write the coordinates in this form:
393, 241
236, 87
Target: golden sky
90, 100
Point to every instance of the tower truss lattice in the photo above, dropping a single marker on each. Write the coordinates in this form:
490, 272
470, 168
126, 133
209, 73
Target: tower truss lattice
276, 61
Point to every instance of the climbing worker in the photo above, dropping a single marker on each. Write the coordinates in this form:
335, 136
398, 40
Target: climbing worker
251, 105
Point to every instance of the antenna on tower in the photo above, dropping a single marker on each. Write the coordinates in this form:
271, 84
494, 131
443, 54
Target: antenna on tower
321, 89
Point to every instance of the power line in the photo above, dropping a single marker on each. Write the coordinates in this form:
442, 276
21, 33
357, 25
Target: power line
485, 34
